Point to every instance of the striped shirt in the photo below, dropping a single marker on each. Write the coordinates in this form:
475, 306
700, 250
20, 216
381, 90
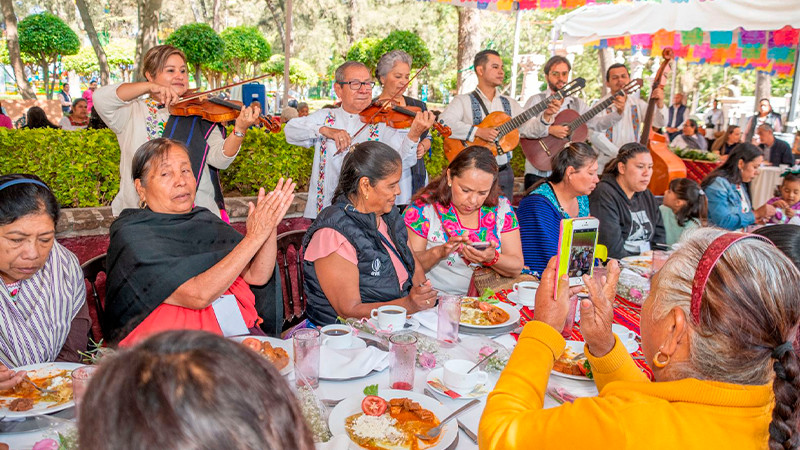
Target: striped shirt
35, 325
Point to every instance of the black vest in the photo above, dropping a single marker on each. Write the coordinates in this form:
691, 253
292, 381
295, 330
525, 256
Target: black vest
378, 281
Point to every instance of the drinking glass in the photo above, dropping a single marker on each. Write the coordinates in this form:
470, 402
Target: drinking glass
449, 315
659, 258
306, 343
402, 360
80, 381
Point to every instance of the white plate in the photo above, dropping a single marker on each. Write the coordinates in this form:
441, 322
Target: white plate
412, 324
35, 371
356, 344
514, 297
513, 318
577, 347
284, 344
352, 405
638, 259
477, 391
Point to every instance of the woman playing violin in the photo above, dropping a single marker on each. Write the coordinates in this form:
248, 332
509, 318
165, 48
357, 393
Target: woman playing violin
139, 112
392, 72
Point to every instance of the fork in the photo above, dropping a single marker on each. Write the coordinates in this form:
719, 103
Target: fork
40, 389
434, 432
330, 403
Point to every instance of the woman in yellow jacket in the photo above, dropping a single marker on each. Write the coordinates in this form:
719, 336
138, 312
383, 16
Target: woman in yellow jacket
722, 314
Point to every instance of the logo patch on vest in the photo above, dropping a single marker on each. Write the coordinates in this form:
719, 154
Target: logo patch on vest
376, 268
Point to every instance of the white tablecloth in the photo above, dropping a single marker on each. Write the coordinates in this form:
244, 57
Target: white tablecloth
762, 187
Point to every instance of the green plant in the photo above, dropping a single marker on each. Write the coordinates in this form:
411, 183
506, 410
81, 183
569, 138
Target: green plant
363, 51
300, 72
407, 41
245, 47
435, 161
84, 62
201, 45
45, 37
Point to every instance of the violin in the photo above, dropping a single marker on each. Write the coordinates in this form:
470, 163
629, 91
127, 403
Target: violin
217, 110
396, 116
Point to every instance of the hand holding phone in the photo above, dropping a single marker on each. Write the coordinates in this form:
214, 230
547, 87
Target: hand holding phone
576, 247
476, 256
483, 245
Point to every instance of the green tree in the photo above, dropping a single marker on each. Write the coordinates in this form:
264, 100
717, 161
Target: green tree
83, 63
45, 37
363, 51
201, 45
122, 56
245, 49
300, 72
407, 41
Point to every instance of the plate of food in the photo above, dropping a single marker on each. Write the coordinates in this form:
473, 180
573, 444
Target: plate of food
278, 351
25, 401
484, 315
572, 363
640, 261
389, 419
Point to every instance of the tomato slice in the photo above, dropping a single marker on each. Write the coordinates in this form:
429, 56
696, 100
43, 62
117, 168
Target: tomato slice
372, 405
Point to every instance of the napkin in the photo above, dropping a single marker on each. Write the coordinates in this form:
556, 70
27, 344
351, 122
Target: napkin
428, 318
351, 363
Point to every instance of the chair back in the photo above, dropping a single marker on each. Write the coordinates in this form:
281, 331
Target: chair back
96, 293
290, 266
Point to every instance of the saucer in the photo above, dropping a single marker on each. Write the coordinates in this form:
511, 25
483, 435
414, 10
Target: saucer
412, 324
630, 346
437, 376
514, 298
356, 344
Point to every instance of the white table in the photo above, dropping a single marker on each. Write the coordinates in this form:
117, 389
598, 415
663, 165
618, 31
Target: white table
762, 187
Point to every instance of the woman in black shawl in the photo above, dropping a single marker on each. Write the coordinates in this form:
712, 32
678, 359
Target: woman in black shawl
174, 266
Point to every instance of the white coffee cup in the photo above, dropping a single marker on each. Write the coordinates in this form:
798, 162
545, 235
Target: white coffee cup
337, 336
456, 376
389, 317
625, 334
526, 292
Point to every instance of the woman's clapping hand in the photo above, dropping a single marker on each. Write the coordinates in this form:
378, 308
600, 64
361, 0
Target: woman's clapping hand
597, 312
270, 208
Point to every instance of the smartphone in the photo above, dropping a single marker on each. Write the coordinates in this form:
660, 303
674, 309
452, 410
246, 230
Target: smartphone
577, 243
480, 245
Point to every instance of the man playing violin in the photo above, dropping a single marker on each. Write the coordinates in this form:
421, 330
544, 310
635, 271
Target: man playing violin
331, 132
138, 112
467, 110
556, 73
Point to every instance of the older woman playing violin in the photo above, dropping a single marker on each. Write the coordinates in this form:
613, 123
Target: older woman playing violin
173, 265
717, 330
137, 119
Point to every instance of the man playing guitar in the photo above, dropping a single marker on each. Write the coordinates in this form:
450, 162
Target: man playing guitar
467, 110
556, 73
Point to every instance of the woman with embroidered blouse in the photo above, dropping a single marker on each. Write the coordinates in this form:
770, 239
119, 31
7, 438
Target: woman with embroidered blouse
563, 195
453, 213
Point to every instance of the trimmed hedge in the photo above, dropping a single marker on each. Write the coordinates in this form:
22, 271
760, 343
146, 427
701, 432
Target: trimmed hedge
82, 167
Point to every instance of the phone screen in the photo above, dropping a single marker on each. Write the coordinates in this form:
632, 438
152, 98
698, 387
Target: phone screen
581, 252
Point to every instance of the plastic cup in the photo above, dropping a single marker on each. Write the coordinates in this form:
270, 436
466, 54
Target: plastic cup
402, 361
80, 382
306, 343
449, 316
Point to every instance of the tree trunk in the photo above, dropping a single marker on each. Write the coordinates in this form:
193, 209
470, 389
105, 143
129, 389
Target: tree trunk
277, 16
606, 56
197, 76
216, 23
469, 42
105, 72
14, 57
48, 90
198, 16
763, 87
148, 32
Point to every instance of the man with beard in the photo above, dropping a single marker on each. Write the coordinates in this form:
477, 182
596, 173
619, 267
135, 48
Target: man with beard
556, 73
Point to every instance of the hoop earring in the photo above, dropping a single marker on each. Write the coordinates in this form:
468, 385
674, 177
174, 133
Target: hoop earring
142, 204
657, 362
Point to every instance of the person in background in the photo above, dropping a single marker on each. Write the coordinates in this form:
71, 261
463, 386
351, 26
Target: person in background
728, 202
5, 121
78, 118
689, 137
461, 207
725, 144
563, 195
796, 144
190, 390
37, 118
630, 221
715, 123
675, 116
765, 115
685, 207
95, 122
717, 331
302, 109
357, 255
43, 313
787, 205
64, 98
776, 151
288, 114
88, 94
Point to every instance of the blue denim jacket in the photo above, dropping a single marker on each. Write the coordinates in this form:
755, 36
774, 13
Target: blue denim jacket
725, 206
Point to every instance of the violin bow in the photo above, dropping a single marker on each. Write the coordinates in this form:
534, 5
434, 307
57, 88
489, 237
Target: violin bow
228, 86
385, 106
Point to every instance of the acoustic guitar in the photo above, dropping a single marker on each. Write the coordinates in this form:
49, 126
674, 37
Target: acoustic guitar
666, 165
540, 152
507, 127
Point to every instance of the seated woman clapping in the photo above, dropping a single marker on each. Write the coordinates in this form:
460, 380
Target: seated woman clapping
43, 315
356, 252
454, 212
716, 330
173, 266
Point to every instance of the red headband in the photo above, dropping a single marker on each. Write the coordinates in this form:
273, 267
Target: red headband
707, 262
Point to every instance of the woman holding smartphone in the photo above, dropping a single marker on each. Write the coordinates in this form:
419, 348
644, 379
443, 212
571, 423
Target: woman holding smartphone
459, 221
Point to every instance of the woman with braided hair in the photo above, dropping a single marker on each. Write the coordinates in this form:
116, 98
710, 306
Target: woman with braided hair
717, 330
